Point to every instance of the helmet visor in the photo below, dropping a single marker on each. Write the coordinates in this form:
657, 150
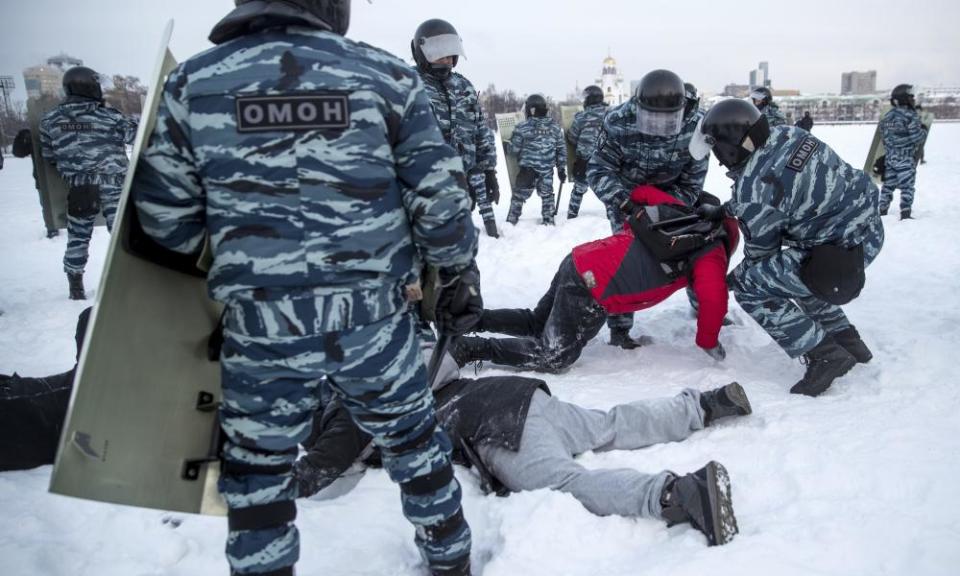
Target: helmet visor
659, 123
437, 47
700, 144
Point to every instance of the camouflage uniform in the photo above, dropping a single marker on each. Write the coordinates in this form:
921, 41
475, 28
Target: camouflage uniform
457, 107
774, 116
583, 136
789, 201
86, 141
626, 158
539, 146
315, 230
902, 132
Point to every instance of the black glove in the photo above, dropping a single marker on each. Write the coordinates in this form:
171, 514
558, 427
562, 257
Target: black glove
710, 212
562, 172
459, 305
493, 186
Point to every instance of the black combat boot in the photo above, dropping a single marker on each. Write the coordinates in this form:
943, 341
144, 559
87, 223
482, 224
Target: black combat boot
491, 227
76, 286
621, 337
905, 214
884, 211
826, 362
467, 349
729, 400
702, 499
52, 232
850, 340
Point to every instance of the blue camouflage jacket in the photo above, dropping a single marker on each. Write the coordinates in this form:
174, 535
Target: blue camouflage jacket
626, 158
457, 108
902, 132
86, 140
313, 162
538, 144
586, 129
774, 116
795, 191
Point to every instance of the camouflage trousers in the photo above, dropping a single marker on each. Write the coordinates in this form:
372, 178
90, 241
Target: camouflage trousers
275, 356
771, 292
576, 198
478, 189
901, 178
80, 228
544, 188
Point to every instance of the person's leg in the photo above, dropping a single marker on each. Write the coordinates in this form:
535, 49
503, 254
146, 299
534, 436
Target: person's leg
386, 391
109, 199
886, 192
907, 178
542, 461
521, 321
517, 198
576, 198
547, 200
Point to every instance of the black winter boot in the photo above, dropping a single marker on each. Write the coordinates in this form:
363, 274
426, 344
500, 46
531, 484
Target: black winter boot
467, 349
850, 340
905, 214
621, 337
52, 232
884, 211
826, 362
729, 400
702, 499
491, 227
76, 286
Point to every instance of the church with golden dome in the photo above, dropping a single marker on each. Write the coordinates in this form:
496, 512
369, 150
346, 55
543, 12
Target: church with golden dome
611, 82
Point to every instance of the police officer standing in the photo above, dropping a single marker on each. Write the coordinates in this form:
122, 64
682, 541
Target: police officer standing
762, 98
86, 141
645, 141
810, 224
538, 145
583, 137
437, 49
314, 166
902, 134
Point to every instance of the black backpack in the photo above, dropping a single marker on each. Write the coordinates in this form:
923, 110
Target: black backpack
23, 144
674, 234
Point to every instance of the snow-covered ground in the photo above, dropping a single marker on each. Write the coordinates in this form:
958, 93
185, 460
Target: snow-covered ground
857, 482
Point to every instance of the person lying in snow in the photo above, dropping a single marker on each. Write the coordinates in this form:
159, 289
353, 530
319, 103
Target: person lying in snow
32, 411
519, 437
632, 270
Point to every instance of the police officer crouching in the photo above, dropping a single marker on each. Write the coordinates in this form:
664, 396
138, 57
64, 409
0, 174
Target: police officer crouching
314, 166
810, 225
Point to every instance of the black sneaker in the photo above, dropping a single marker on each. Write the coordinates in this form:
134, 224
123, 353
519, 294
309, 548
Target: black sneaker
702, 499
850, 340
729, 400
826, 362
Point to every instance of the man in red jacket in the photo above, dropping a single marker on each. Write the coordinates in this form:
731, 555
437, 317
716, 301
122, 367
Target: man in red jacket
614, 275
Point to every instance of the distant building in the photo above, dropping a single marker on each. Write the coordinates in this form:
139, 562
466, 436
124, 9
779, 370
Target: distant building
612, 83
736, 90
760, 76
64, 62
47, 79
858, 82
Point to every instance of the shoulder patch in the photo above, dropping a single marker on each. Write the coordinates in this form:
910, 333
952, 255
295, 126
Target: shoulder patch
294, 112
802, 154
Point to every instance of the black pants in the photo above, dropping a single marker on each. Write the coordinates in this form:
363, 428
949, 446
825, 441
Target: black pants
32, 411
551, 336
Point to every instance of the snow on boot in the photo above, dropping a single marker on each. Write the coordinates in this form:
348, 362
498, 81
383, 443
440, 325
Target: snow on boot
702, 498
905, 214
491, 227
621, 337
826, 362
76, 287
850, 340
729, 400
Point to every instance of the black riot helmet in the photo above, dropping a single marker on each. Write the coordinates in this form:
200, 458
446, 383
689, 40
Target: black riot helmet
692, 99
734, 129
82, 82
536, 106
433, 40
254, 15
761, 97
903, 95
592, 95
660, 100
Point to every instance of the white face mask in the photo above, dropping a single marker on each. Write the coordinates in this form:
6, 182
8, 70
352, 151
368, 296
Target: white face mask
659, 123
437, 47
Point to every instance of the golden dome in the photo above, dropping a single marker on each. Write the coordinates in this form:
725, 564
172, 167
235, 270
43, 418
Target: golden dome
609, 61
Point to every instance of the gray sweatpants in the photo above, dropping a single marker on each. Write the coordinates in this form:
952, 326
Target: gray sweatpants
556, 431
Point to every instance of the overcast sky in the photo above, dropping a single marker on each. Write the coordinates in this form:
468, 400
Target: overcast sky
548, 46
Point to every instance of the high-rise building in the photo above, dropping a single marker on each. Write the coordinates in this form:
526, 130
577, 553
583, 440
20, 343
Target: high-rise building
64, 61
612, 83
47, 79
760, 76
858, 82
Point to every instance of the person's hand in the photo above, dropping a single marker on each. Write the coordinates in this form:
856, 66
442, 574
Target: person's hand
460, 304
493, 186
562, 172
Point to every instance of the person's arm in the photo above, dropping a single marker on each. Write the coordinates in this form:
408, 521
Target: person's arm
573, 135
128, 126
603, 170
710, 286
516, 142
486, 143
690, 183
435, 187
762, 227
167, 190
46, 142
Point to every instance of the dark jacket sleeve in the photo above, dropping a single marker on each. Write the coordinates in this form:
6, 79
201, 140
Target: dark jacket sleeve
332, 447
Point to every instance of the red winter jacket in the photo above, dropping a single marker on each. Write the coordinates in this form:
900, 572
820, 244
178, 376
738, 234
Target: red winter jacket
624, 277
